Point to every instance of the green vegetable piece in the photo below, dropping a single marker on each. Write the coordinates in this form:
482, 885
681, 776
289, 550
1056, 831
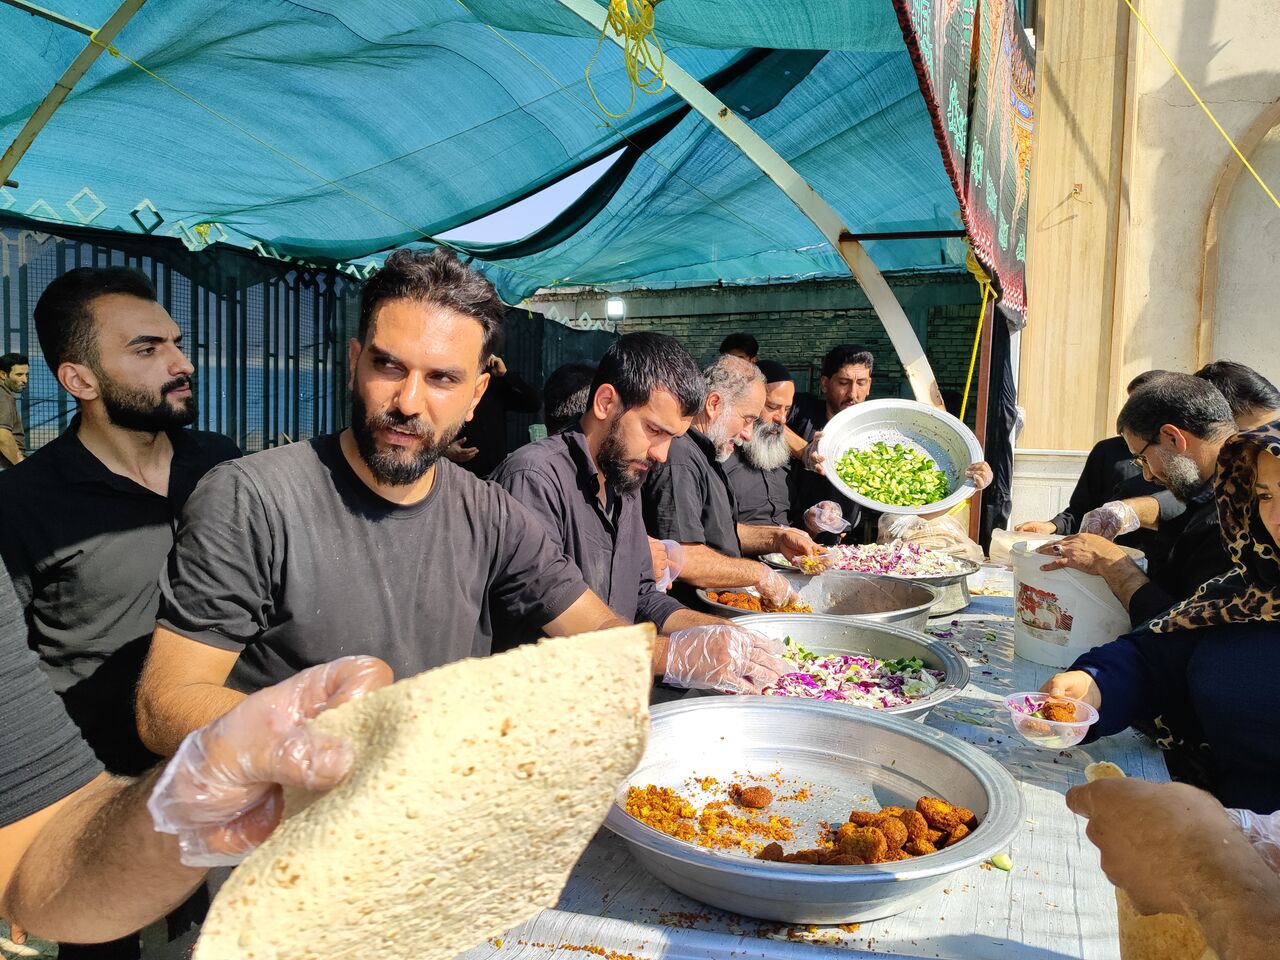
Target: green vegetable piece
1002, 861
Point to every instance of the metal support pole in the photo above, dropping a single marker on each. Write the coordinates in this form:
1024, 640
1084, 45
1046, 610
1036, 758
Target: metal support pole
100, 40
920, 375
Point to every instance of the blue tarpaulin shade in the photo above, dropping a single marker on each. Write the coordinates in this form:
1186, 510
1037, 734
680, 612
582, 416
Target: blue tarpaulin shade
333, 131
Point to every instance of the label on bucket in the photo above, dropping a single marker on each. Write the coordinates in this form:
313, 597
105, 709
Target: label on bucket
1042, 614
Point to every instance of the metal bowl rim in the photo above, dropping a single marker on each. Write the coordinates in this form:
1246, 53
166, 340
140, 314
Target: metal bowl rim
956, 667
902, 613
1004, 815
826, 447
940, 580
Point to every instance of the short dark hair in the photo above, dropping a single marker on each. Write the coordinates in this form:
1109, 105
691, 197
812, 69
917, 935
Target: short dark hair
847, 354
564, 395
439, 278
1142, 379
11, 360
64, 320
636, 364
1246, 390
1187, 402
741, 341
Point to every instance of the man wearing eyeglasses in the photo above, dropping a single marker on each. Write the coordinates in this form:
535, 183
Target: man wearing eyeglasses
1174, 427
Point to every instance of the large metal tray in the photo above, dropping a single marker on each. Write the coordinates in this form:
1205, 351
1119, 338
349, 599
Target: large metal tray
953, 588
846, 759
825, 634
878, 599
934, 432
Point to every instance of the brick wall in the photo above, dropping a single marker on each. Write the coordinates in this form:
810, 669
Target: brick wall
942, 307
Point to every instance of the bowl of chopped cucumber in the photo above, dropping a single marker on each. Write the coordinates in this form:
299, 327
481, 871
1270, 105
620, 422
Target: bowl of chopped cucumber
899, 456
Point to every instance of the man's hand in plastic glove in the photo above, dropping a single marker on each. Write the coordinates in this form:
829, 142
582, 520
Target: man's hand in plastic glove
811, 458
792, 543
825, 517
979, 474
774, 589
722, 657
221, 793
668, 561
1263, 833
1113, 519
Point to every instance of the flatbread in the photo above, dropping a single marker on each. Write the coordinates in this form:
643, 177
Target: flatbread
475, 789
1161, 936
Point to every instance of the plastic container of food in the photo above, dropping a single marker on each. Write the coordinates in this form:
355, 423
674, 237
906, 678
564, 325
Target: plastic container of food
1050, 734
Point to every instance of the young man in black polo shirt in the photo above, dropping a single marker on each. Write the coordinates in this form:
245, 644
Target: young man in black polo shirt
88, 519
583, 484
688, 499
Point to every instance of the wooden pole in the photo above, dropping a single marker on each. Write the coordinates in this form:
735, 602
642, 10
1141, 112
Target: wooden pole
100, 39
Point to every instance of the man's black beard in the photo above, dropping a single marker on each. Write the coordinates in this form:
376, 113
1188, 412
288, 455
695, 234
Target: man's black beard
132, 409
613, 464
391, 466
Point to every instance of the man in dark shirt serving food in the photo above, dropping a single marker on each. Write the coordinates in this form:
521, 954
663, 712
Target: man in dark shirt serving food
367, 541
583, 485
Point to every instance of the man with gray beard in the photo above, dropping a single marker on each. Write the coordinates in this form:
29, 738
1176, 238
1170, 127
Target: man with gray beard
688, 499
759, 471
1174, 427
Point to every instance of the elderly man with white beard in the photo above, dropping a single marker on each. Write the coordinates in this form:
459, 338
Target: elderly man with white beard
759, 470
688, 499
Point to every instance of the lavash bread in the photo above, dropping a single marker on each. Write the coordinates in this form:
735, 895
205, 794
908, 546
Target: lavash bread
1161, 936
476, 786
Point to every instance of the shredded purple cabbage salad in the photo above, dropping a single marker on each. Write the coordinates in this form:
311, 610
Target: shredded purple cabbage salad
852, 678
897, 558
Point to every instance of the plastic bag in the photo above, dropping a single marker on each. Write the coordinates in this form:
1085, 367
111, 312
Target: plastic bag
943, 534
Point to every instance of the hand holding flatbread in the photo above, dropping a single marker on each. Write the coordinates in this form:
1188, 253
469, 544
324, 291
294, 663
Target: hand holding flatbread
1157, 935
474, 789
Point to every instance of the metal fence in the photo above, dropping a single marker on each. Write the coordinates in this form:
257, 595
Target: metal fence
267, 338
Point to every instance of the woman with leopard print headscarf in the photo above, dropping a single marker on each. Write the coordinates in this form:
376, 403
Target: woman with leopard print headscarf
1207, 669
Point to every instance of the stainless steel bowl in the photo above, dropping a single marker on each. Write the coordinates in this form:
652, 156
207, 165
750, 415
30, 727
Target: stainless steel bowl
826, 634
878, 599
950, 444
846, 759
952, 589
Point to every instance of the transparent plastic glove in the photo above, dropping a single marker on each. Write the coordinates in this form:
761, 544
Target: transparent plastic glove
722, 657
675, 563
221, 793
811, 458
826, 517
1262, 831
1113, 519
774, 589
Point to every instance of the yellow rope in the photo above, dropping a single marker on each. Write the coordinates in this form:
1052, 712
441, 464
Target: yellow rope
1203, 106
641, 50
985, 282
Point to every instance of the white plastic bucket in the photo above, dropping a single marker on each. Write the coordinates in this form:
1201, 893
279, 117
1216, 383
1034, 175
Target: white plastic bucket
1060, 614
